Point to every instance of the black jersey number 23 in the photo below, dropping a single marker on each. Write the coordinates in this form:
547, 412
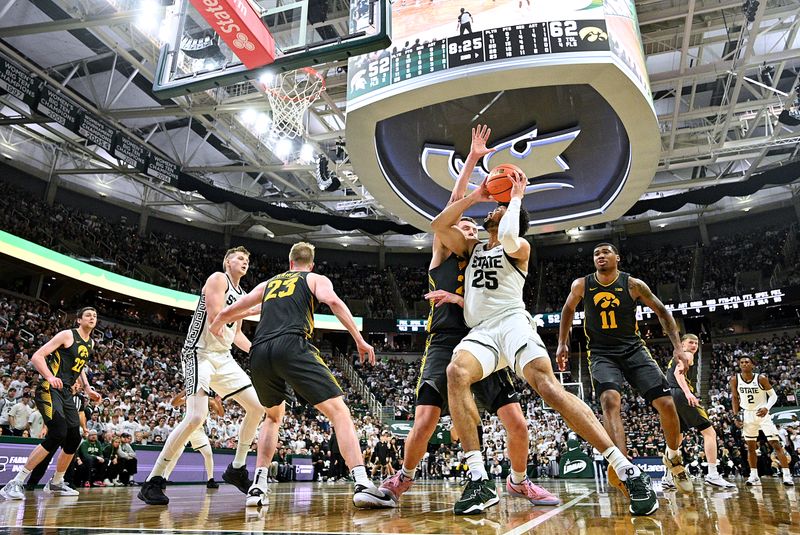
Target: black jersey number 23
280, 288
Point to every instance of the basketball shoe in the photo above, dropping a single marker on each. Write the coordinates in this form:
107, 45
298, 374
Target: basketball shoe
667, 483
256, 497
478, 495
60, 489
717, 480
372, 498
152, 491
615, 481
396, 485
238, 477
643, 499
679, 475
753, 480
14, 490
533, 493
788, 481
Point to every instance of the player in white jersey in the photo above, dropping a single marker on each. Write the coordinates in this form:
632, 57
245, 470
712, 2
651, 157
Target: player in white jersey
752, 393
208, 364
503, 335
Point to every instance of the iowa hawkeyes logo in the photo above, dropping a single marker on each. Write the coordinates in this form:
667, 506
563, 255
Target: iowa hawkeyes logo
83, 352
606, 300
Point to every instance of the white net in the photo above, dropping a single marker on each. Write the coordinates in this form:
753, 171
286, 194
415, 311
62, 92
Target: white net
290, 95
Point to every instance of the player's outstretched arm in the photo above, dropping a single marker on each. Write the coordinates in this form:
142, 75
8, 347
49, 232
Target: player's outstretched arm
567, 315
477, 150
508, 232
640, 290
62, 339
322, 288
444, 224
237, 310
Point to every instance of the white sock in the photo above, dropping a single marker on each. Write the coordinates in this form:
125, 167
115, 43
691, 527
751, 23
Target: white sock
58, 477
260, 478
409, 472
248, 399
208, 461
477, 470
712, 470
786, 473
173, 447
620, 463
518, 477
359, 473
22, 475
672, 453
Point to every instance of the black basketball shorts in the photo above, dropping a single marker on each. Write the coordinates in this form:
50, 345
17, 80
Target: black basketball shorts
638, 368
54, 405
691, 417
291, 361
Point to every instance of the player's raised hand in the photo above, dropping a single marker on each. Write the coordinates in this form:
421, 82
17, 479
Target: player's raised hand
562, 357
480, 135
365, 352
94, 395
441, 297
520, 182
481, 194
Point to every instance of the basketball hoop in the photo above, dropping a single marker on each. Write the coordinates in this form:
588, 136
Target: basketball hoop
290, 95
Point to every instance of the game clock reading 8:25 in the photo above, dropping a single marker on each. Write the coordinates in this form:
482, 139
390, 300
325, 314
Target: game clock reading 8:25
527, 40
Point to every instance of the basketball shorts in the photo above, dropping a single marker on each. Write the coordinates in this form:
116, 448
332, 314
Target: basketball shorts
509, 341
638, 368
691, 417
753, 424
491, 393
209, 371
54, 405
198, 439
291, 361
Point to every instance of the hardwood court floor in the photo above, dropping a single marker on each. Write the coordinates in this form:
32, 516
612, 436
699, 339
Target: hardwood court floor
327, 508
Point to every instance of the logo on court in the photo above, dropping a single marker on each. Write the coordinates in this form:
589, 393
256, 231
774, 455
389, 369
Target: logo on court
242, 42
537, 155
606, 300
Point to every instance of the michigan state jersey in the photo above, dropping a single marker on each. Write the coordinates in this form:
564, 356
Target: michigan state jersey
690, 374
199, 338
447, 276
66, 363
751, 395
493, 285
287, 307
610, 317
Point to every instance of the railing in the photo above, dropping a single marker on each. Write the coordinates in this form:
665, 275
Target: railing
697, 273
397, 297
359, 385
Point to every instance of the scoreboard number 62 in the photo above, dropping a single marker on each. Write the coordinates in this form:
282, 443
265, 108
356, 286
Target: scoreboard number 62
567, 28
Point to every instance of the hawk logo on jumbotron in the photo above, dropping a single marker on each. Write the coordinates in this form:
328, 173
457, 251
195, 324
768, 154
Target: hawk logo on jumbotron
537, 155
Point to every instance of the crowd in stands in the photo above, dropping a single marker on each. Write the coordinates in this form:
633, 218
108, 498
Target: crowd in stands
136, 373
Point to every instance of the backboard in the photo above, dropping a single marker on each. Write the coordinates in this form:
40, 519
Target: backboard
306, 32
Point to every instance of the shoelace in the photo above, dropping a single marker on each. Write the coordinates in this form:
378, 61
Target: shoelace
474, 486
637, 485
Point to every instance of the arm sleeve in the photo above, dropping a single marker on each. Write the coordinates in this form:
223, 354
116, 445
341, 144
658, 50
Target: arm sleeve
772, 398
508, 231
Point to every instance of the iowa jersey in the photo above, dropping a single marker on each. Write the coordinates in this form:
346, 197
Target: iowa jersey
447, 276
610, 323
287, 307
66, 363
690, 374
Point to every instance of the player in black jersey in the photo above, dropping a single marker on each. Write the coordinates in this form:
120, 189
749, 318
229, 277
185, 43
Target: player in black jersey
61, 363
680, 376
616, 352
282, 356
446, 329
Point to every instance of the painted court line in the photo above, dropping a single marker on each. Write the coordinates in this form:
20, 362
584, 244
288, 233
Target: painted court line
129, 531
527, 526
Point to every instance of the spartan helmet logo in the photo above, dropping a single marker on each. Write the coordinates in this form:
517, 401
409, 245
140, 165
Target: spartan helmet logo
83, 352
606, 300
242, 41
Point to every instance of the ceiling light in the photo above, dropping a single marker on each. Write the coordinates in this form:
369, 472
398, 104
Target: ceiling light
102, 194
266, 78
283, 148
249, 116
188, 219
150, 15
345, 245
746, 209
662, 225
419, 247
307, 152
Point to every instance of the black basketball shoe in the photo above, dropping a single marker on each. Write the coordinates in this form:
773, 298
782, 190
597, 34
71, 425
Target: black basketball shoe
152, 492
238, 477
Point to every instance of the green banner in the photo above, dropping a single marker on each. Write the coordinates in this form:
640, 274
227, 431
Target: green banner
69, 267
785, 415
574, 463
401, 429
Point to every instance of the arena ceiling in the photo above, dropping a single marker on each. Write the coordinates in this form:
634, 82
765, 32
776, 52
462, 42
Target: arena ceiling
719, 85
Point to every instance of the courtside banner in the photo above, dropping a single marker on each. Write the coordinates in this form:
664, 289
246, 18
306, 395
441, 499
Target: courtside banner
191, 468
652, 466
241, 29
45, 258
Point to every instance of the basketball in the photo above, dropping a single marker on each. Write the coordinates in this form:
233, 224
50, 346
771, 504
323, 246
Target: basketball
500, 183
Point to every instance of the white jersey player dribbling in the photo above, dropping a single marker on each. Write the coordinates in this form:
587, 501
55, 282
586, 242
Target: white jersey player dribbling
502, 332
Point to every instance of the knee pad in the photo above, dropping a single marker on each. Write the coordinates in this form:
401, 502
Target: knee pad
56, 434
72, 440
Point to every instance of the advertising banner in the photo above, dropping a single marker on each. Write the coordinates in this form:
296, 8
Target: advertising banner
575, 464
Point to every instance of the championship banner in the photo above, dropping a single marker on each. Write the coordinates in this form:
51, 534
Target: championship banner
575, 464
240, 27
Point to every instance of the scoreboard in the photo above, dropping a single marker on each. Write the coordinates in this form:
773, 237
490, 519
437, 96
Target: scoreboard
392, 66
